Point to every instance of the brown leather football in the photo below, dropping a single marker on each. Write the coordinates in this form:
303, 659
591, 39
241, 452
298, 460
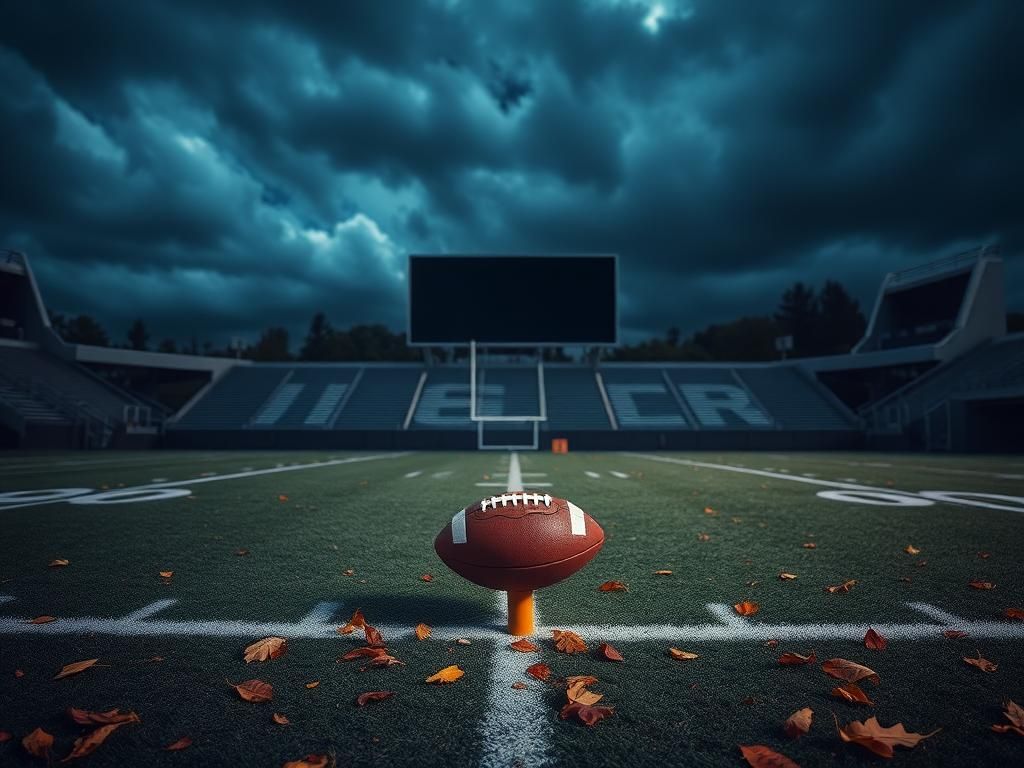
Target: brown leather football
519, 540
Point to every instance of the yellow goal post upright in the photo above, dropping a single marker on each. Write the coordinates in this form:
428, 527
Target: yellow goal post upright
477, 391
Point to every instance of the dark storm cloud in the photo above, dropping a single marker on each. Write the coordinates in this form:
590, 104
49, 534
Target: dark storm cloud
220, 169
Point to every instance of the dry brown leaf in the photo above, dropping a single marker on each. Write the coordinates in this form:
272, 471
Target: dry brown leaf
446, 675
386, 660
710, 512
954, 634
48, 619
540, 671
791, 659
523, 646
280, 719
422, 631
771, 643
849, 671
787, 576
981, 585
255, 691
282, 497
463, 641
1015, 714
675, 653
356, 622
349, 572
426, 577
663, 573
267, 648
58, 563
799, 723
183, 743
38, 743
746, 608
568, 642
313, 684
703, 537
871, 735
576, 690
1014, 613
309, 761
846, 586
365, 698
587, 715
5, 736
366, 651
873, 641
74, 668
90, 742
983, 664
613, 586
609, 652
760, 756
518, 686
241, 552
910, 549
984, 555
166, 574
84, 717
852, 693
809, 545
373, 635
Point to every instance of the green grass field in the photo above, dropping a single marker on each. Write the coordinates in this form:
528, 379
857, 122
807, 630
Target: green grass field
314, 516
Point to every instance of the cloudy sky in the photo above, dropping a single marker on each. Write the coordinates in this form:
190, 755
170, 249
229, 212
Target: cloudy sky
219, 167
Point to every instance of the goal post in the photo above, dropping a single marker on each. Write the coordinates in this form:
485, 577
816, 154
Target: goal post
477, 390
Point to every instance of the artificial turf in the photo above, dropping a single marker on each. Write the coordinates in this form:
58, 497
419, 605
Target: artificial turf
303, 529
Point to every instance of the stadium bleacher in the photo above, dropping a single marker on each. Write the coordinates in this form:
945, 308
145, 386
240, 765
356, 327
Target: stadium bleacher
232, 401
382, 398
642, 399
794, 400
573, 400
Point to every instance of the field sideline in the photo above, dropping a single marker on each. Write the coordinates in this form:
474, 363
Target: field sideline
726, 525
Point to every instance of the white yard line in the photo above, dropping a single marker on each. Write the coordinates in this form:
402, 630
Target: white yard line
417, 473
503, 485
620, 475
592, 475
317, 626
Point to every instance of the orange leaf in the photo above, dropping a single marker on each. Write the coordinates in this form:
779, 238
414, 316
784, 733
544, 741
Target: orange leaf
280, 719
267, 648
791, 659
365, 698
954, 634
874, 641
663, 573
871, 735
255, 691
613, 586
675, 653
981, 585
589, 716
86, 745
309, 761
1014, 613
1015, 714
446, 675
577, 692
853, 693
849, 671
422, 631
58, 563
846, 586
183, 743
426, 577
799, 723
373, 635
759, 756
365, 651
746, 608
787, 576
83, 717
74, 668
568, 642
518, 686
38, 743
983, 664
809, 545
356, 622
910, 549
313, 684
166, 574
710, 512
282, 497
48, 619
540, 671
609, 652
386, 660
523, 646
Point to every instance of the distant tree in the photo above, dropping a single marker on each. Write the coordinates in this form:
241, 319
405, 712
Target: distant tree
673, 337
138, 336
168, 346
319, 340
193, 346
84, 329
271, 347
797, 316
841, 323
746, 339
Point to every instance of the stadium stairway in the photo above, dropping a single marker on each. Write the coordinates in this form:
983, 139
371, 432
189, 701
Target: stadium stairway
381, 399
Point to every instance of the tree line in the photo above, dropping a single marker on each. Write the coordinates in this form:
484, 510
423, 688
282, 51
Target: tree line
824, 322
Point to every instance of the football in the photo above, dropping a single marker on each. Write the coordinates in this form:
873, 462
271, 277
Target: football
519, 541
